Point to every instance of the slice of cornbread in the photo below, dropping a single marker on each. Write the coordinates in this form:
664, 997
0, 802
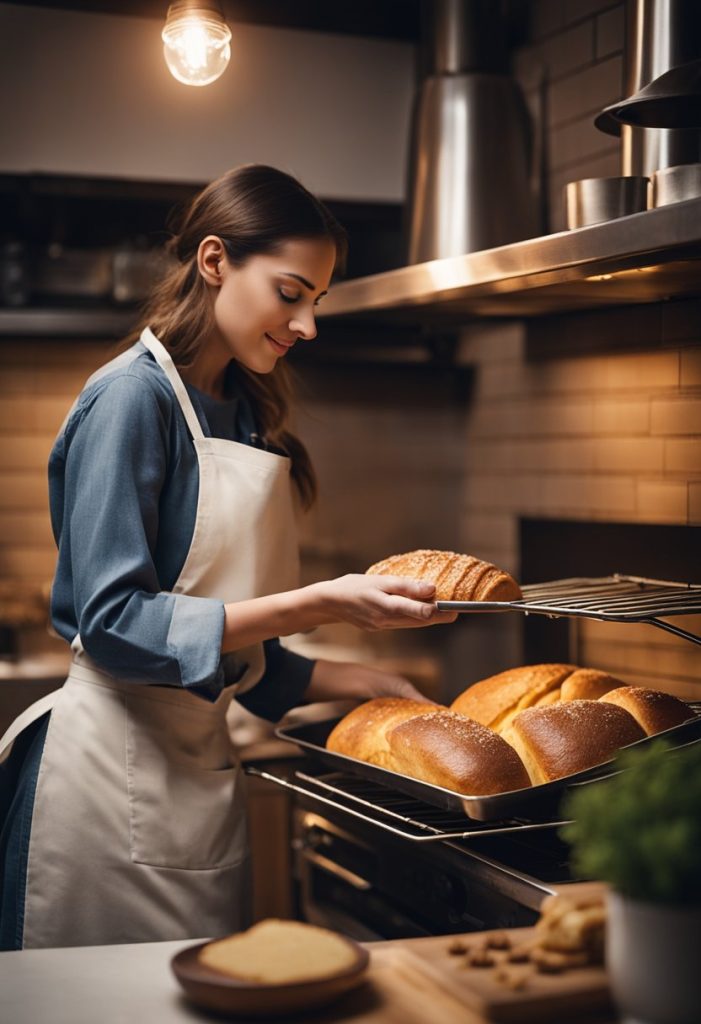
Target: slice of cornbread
275, 952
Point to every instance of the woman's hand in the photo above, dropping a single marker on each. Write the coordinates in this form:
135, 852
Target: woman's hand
370, 602
380, 602
341, 680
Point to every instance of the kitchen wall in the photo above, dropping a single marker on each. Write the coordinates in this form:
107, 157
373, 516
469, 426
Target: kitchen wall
91, 95
570, 67
388, 460
590, 417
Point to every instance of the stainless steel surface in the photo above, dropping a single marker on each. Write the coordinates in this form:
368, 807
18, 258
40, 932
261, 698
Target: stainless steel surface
461, 35
536, 804
593, 200
469, 159
69, 323
470, 186
676, 184
610, 598
642, 258
661, 35
671, 101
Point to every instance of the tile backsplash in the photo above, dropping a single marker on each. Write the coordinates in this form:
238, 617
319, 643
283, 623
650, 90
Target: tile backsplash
571, 66
576, 433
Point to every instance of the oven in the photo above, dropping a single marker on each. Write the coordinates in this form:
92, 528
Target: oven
376, 863
373, 885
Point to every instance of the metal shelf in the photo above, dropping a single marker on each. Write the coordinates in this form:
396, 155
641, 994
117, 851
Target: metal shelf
614, 598
645, 257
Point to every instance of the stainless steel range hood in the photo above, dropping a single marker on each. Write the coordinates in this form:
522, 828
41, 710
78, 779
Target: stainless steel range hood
641, 258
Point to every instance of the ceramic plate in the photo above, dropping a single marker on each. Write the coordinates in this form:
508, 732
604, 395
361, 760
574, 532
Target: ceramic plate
216, 991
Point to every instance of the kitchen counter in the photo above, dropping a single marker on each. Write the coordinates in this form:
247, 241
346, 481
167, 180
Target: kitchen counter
124, 983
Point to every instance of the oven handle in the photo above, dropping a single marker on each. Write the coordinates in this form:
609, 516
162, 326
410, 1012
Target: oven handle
331, 868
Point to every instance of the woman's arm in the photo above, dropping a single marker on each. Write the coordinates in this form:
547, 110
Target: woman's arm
336, 680
370, 602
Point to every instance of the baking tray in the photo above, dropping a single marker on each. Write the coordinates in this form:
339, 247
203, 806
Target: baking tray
533, 804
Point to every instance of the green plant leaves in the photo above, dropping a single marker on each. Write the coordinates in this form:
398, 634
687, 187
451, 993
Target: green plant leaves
641, 830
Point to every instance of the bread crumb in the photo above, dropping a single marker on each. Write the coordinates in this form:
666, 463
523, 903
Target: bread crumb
519, 955
480, 958
547, 963
458, 948
498, 940
514, 978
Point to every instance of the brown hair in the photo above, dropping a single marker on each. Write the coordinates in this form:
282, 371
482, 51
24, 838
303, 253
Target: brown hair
253, 209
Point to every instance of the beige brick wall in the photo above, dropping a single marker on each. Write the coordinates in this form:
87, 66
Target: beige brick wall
38, 382
587, 436
572, 66
389, 471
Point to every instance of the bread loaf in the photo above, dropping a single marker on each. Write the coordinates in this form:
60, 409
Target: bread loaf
569, 737
456, 577
496, 701
362, 733
452, 751
653, 710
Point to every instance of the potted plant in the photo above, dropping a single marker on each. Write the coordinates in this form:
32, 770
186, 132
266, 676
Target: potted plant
640, 831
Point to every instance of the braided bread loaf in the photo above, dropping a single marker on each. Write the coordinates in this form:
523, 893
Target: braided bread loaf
456, 577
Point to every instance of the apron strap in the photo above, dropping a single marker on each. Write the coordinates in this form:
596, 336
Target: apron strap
162, 357
29, 715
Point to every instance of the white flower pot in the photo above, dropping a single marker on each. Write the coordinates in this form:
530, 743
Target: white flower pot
653, 956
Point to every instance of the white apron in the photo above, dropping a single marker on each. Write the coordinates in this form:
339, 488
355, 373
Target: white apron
139, 829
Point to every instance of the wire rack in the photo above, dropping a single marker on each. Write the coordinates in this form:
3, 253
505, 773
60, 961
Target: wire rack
392, 811
614, 598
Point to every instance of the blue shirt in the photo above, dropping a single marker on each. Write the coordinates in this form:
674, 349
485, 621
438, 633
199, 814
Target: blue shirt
123, 487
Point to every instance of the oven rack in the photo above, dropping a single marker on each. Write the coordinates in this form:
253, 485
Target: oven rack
392, 811
614, 598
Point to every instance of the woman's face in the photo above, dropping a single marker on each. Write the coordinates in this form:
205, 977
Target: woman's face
264, 307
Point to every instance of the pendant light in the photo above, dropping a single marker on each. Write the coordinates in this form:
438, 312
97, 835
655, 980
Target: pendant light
196, 41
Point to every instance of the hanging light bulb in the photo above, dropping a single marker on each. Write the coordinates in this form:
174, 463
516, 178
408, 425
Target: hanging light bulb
196, 41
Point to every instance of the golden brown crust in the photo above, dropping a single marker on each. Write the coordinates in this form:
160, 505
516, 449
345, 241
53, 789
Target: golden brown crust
653, 710
492, 699
588, 684
452, 751
456, 577
362, 733
566, 738
496, 701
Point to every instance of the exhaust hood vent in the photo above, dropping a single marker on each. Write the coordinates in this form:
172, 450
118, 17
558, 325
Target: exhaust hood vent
462, 267
469, 174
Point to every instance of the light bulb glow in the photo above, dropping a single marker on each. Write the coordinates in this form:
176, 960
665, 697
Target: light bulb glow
196, 48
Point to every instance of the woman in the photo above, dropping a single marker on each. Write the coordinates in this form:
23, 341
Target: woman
172, 490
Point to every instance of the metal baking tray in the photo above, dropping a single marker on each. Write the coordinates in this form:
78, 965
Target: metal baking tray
614, 598
534, 803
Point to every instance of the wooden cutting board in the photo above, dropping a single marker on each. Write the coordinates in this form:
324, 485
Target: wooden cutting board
543, 997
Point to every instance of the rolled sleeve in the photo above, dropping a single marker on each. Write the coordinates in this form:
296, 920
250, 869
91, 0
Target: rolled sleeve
282, 685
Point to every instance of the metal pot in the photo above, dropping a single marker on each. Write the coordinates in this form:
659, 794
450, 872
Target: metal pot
593, 200
675, 184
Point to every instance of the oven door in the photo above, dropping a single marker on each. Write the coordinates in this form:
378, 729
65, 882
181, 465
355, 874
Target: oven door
371, 886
